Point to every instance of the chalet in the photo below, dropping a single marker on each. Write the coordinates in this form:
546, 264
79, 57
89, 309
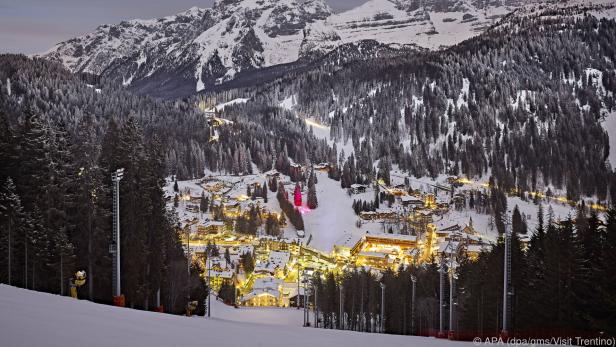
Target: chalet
525, 241
409, 200
192, 208
384, 243
358, 188
272, 173
265, 292
195, 199
429, 201
378, 260
220, 277
446, 231
473, 251
382, 213
212, 227
232, 209
324, 167
275, 264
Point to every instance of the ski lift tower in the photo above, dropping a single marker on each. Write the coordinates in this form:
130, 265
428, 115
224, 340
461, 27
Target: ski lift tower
114, 248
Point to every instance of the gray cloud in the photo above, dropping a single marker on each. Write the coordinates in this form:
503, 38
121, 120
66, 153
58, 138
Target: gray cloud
33, 26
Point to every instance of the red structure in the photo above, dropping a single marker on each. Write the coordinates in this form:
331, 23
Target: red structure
297, 195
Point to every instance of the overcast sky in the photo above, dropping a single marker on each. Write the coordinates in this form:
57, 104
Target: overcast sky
34, 26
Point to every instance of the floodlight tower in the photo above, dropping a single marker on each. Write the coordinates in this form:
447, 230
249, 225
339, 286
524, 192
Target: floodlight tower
116, 177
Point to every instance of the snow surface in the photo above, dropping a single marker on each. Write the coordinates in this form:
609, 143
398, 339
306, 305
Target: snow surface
333, 218
609, 124
29, 318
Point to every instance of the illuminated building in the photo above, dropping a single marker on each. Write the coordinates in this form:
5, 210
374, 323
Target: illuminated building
211, 228
220, 277
383, 250
430, 201
266, 291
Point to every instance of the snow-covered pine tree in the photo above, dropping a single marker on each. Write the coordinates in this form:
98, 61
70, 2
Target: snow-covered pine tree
312, 191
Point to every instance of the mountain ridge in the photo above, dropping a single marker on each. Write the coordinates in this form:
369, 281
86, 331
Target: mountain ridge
201, 49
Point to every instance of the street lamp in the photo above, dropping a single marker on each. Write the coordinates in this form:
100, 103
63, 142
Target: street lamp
316, 308
209, 283
382, 306
114, 248
340, 320
440, 298
451, 303
298, 278
413, 281
506, 280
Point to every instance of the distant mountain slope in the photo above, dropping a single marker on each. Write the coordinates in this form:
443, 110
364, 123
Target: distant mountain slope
200, 49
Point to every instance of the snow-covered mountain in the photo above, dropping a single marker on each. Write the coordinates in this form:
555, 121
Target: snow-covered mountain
200, 48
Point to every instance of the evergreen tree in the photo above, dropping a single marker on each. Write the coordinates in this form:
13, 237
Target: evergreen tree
204, 203
12, 219
312, 192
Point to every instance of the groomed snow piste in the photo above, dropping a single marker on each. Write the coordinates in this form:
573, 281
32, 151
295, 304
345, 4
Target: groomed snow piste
29, 318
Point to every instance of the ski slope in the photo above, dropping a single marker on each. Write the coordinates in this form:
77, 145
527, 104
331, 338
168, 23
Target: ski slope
29, 318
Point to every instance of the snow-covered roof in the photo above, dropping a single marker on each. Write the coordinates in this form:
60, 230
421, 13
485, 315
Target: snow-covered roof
448, 247
213, 223
226, 274
374, 254
393, 237
477, 248
410, 198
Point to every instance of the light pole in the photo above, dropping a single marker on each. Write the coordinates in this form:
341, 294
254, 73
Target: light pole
188, 250
316, 308
382, 307
116, 177
413, 281
306, 312
451, 303
340, 320
209, 284
440, 298
506, 280
298, 277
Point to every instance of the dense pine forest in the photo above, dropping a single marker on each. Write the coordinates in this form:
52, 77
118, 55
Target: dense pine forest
522, 102
562, 285
58, 147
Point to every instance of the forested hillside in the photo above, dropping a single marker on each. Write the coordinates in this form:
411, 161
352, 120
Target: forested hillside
522, 102
61, 138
